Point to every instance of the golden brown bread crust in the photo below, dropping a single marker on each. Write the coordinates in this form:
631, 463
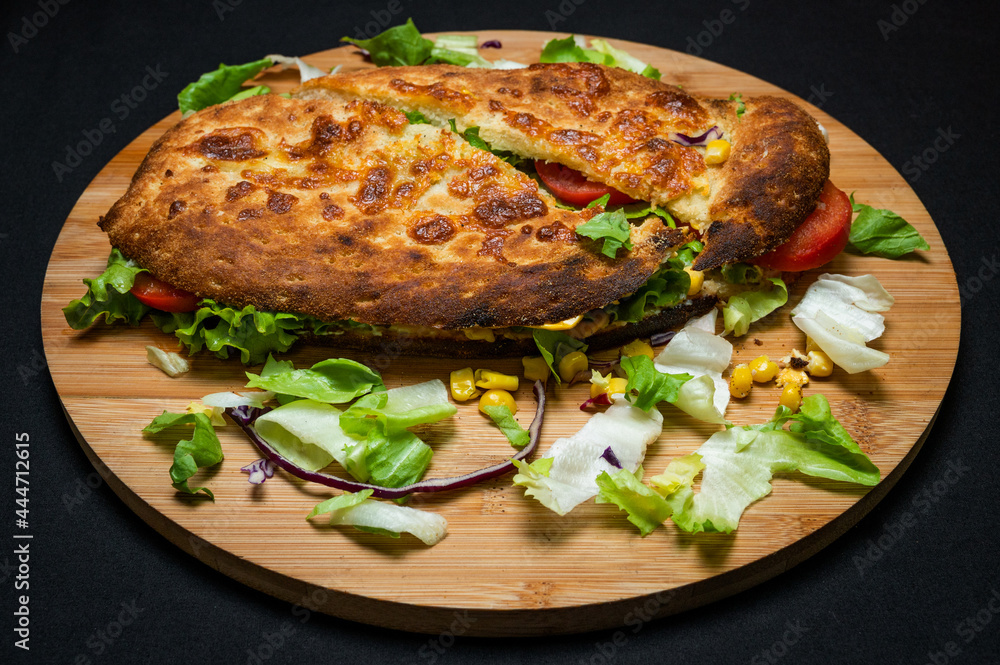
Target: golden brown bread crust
617, 128
349, 212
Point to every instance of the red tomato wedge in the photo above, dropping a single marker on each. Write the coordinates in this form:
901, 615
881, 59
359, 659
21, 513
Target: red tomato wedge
160, 295
572, 187
821, 236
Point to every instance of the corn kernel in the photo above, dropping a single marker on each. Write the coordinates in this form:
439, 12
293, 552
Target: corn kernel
637, 348
463, 385
763, 369
791, 396
497, 398
535, 368
819, 364
617, 386
697, 280
789, 376
484, 334
717, 151
488, 379
572, 364
741, 381
811, 345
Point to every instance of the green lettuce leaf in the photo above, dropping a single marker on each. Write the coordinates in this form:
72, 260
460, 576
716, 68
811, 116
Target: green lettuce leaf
554, 346
389, 460
218, 86
740, 462
335, 381
108, 296
504, 419
398, 409
646, 509
202, 449
652, 385
471, 135
250, 92
461, 50
571, 49
224, 330
613, 227
416, 118
383, 518
742, 273
883, 233
666, 287
750, 306
398, 46
679, 473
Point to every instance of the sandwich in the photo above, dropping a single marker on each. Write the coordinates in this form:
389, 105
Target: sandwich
405, 203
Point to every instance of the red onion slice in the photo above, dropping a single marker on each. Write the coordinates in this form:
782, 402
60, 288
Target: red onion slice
609, 456
703, 139
245, 416
493, 43
259, 471
601, 400
662, 337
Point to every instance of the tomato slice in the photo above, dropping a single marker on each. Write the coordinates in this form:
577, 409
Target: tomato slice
572, 187
160, 295
822, 236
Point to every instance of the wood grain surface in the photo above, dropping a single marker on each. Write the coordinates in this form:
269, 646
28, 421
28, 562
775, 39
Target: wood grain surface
508, 566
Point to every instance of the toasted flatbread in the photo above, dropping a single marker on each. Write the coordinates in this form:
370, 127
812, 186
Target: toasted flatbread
617, 128
349, 212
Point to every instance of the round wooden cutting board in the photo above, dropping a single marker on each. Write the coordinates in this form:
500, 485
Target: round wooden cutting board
508, 565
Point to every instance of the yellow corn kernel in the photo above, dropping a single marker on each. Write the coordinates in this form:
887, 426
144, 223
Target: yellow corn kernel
617, 386
572, 364
763, 369
463, 385
789, 376
697, 279
497, 398
717, 151
819, 364
487, 378
637, 348
480, 333
562, 325
535, 368
741, 381
791, 396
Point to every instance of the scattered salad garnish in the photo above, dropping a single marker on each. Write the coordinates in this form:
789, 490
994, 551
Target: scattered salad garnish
883, 233
387, 519
201, 450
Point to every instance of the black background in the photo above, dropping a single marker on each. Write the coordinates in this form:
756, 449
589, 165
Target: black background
896, 88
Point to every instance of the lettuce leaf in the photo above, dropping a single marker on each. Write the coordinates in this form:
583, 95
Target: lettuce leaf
554, 346
387, 519
398, 46
336, 380
740, 462
576, 461
108, 296
612, 227
461, 50
696, 350
389, 460
224, 330
652, 385
679, 473
667, 287
504, 419
750, 306
840, 314
398, 409
646, 509
883, 233
218, 86
202, 449
574, 49
471, 136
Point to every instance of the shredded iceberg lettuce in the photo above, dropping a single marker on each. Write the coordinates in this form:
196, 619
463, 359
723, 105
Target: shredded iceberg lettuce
840, 314
387, 519
570, 478
696, 350
750, 306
